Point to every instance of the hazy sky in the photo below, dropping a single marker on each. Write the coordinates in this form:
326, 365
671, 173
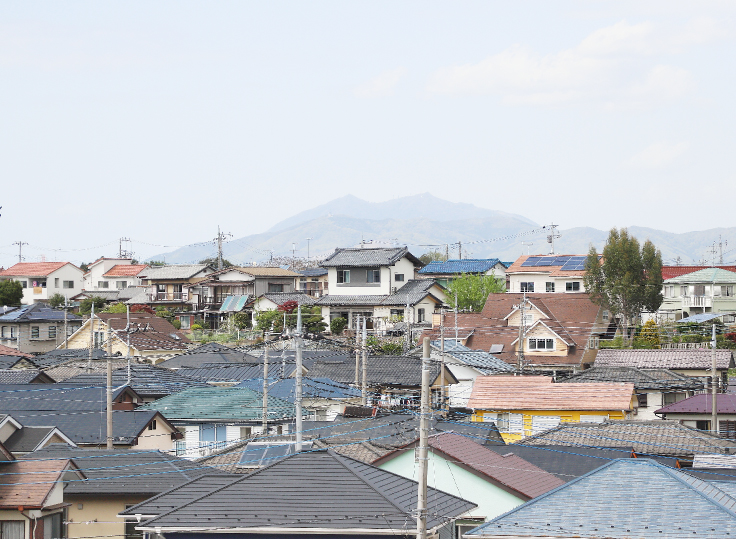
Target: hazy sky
160, 120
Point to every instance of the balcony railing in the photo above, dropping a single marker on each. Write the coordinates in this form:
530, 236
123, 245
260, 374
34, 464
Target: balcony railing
697, 301
170, 296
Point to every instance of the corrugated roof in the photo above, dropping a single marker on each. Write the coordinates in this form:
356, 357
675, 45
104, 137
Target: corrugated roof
332, 299
34, 269
485, 362
234, 304
675, 359
455, 267
539, 393
708, 275
624, 498
368, 257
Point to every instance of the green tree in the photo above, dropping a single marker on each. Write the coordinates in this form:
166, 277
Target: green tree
57, 300
337, 325
11, 292
118, 308
163, 312
312, 320
242, 320
85, 307
627, 281
648, 336
433, 256
472, 290
213, 262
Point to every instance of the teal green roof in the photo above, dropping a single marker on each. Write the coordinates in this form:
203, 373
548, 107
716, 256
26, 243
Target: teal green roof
708, 275
213, 404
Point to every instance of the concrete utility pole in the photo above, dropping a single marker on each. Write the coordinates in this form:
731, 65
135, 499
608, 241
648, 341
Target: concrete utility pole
422, 448
714, 384
364, 385
442, 353
460, 250
109, 387
127, 333
66, 333
20, 245
357, 351
91, 337
522, 332
552, 236
298, 392
264, 421
220, 236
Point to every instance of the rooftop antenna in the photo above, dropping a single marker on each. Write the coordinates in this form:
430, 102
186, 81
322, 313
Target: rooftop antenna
552, 237
528, 244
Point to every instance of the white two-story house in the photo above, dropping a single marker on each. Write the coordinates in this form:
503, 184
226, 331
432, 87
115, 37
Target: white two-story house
378, 285
709, 290
41, 280
547, 274
112, 274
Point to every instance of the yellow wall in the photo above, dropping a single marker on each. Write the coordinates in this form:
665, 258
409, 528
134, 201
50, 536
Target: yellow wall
566, 416
159, 438
98, 516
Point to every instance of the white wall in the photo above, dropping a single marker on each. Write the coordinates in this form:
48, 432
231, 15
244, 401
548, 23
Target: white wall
68, 272
540, 282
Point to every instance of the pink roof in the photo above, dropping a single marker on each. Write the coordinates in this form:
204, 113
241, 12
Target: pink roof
33, 269
125, 270
7, 351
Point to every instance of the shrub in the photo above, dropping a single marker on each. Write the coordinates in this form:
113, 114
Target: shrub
337, 325
195, 327
176, 323
57, 300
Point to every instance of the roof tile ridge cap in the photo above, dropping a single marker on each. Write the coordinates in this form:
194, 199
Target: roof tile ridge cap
341, 459
698, 485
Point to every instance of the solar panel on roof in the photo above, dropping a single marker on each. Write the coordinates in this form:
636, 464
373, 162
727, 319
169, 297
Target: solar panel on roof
561, 260
546, 261
257, 454
531, 261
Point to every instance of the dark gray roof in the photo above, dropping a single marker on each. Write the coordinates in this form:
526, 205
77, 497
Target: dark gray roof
403, 371
641, 378
320, 388
24, 376
27, 439
53, 397
319, 489
207, 353
624, 498
333, 299
133, 472
37, 312
368, 257
414, 291
146, 380
8, 362
88, 427
57, 357
699, 359
313, 272
484, 362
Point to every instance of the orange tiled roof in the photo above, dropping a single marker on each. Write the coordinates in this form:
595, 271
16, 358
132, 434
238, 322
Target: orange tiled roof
7, 351
539, 393
553, 271
33, 269
125, 270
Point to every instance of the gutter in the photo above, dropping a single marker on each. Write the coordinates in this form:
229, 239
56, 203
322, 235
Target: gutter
290, 531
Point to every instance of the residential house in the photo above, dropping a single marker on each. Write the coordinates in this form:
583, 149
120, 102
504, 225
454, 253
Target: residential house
167, 285
445, 271
37, 328
24, 376
466, 365
459, 466
19, 439
696, 412
641, 438
654, 388
272, 301
547, 274
115, 480
212, 418
11, 358
314, 282
106, 274
624, 498
668, 272
559, 332
691, 362
41, 280
394, 381
32, 501
204, 354
324, 399
311, 493
708, 290
64, 363
526, 405
147, 336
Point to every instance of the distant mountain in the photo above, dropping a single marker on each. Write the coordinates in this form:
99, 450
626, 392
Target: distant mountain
424, 222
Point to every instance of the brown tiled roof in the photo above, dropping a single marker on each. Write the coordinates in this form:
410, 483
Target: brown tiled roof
669, 272
125, 270
33, 269
667, 358
539, 393
510, 470
28, 483
158, 334
553, 271
7, 351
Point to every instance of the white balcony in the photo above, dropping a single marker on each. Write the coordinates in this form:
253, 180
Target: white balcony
697, 301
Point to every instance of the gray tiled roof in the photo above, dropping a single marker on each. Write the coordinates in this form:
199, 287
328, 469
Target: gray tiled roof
382, 370
114, 471
279, 298
483, 361
37, 312
641, 378
319, 489
23, 376
178, 271
146, 380
656, 437
27, 439
339, 300
623, 499
664, 359
53, 397
414, 291
367, 257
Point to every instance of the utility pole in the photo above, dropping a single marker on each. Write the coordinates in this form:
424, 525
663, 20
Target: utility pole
552, 236
127, 332
124, 253
528, 244
422, 449
714, 384
264, 421
522, 332
91, 337
220, 236
442, 353
357, 351
408, 327
298, 392
20, 245
308, 240
456, 316
460, 250
66, 334
364, 385
109, 386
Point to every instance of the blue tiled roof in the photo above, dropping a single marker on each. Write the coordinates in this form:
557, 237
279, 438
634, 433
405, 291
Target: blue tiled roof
623, 498
453, 267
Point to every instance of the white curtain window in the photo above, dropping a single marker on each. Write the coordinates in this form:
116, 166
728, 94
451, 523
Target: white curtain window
542, 423
12, 529
516, 424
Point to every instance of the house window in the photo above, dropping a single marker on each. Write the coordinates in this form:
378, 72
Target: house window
35, 332
68, 284
245, 433
212, 433
52, 332
152, 425
673, 396
669, 291
12, 529
13, 331
24, 284
727, 429
275, 287
343, 276
683, 291
2, 332
606, 315
420, 315
56, 282
550, 287
572, 287
527, 287
527, 319
103, 284
727, 290
702, 425
398, 277
642, 399
700, 290
373, 276
120, 285
130, 531
398, 313
99, 337
541, 344
185, 322
52, 526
